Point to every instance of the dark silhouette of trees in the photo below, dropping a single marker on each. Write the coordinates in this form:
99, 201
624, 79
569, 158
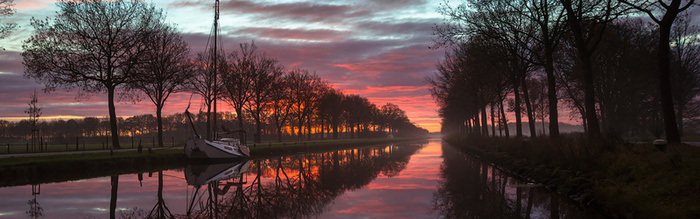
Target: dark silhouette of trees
266, 70
91, 45
281, 103
303, 86
587, 21
237, 79
165, 70
205, 83
664, 15
685, 68
588, 52
331, 108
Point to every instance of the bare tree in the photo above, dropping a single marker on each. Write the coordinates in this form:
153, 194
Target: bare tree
93, 45
330, 104
664, 14
281, 103
587, 21
34, 111
205, 83
237, 78
166, 68
266, 70
685, 74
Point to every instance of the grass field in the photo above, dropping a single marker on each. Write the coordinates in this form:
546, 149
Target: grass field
625, 180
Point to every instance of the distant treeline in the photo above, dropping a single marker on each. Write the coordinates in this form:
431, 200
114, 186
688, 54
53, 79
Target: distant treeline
371, 122
596, 59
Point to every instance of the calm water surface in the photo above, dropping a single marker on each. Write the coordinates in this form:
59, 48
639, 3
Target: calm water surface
409, 180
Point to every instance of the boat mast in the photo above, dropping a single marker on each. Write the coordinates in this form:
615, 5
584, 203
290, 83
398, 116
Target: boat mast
216, 73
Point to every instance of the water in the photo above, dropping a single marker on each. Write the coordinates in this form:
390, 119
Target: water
408, 180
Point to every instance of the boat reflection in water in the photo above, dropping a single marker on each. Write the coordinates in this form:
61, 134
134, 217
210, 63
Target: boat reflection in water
288, 187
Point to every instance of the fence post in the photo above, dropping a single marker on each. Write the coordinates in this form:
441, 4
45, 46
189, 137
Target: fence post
77, 147
8, 148
27, 147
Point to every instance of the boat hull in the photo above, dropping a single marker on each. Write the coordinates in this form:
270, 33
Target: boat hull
199, 149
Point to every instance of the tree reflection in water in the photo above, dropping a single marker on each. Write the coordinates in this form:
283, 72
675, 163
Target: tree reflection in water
473, 189
298, 186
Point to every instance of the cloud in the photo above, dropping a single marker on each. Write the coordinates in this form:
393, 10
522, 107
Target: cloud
294, 34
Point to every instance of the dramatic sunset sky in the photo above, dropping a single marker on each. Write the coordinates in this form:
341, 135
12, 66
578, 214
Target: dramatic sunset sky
375, 48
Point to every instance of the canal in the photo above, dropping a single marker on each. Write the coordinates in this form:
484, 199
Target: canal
424, 179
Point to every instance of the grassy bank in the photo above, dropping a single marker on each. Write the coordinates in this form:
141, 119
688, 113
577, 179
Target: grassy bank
623, 180
56, 168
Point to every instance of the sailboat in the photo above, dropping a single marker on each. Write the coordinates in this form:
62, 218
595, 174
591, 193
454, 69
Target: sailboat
199, 148
223, 148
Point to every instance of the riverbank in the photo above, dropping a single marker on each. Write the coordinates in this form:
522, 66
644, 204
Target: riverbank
625, 180
22, 170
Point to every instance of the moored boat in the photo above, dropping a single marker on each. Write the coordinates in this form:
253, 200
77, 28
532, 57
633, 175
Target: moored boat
199, 148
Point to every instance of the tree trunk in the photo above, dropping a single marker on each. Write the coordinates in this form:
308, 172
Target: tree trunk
493, 122
551, 95
239, 115
518, 120
279, 134
484, 123
477, 123
308, 128
679, 115
159, 119
504, 121
335, 130
528, 106
113, 118
208, 121
663, 55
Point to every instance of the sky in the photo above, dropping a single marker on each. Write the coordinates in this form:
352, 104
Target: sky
378, 49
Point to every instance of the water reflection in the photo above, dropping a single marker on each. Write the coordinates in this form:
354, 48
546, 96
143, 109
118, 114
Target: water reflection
291, 187
411, 180
473, 189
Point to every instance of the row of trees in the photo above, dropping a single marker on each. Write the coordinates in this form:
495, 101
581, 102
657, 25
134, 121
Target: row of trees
126, 49
367, 121
592, 55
